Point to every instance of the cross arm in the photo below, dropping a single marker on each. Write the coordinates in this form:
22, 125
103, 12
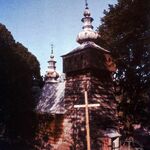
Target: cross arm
89, 105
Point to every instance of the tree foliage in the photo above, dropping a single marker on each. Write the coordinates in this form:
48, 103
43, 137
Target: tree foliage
125, 30
19, 68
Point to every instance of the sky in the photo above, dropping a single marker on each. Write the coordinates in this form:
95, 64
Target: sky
39, 23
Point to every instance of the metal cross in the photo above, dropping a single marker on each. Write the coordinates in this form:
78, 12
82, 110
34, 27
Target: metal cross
86, 106
52, 48
86, 3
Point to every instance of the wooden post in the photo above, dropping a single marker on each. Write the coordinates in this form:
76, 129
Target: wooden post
129, 145
86, 106
87, 121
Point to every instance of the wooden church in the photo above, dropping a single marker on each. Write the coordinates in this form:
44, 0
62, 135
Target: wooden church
86, 93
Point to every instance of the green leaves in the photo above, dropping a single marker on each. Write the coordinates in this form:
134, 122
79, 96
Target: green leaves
125, 30
18, 70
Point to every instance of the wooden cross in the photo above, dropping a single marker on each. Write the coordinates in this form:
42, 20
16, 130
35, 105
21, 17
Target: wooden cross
86, 106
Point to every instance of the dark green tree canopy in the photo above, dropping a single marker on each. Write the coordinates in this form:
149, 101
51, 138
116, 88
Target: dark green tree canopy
7, 41
19, 68
125, 31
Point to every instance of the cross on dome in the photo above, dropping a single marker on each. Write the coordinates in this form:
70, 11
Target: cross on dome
86, 4
52, 48
52, 55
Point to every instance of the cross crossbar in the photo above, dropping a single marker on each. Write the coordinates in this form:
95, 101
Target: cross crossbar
89, 105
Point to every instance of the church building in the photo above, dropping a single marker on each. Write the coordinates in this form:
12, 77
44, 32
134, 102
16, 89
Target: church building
88, 69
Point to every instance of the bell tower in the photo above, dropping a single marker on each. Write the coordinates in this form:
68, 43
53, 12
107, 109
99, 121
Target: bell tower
92, 64
88, 56
88, 62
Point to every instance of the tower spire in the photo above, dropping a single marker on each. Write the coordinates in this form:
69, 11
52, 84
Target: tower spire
52, 48
52, 75
87, 35
52, 55
86, 4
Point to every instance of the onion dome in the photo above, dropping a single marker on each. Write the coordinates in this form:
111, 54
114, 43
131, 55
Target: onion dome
51, 74
87, 34
87, 12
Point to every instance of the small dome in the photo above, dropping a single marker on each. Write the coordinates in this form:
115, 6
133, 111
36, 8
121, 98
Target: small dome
52, 56
52, 74
87, 35
87, 12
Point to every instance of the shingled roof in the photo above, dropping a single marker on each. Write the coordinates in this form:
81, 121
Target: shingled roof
52, 98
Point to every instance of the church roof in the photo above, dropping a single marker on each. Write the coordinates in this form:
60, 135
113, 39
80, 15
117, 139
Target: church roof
52, 99
112, 133
87, 45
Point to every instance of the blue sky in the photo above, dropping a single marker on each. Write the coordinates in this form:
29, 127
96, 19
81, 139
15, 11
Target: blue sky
39, 23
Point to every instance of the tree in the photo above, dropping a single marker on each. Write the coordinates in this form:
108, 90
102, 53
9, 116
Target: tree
19, 68
125, 30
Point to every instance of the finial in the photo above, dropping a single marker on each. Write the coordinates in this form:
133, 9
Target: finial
52, 75
52, 56
87, 35
52, 48
86, 4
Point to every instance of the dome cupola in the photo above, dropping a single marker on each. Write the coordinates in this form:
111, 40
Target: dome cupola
51, 74
87, 35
